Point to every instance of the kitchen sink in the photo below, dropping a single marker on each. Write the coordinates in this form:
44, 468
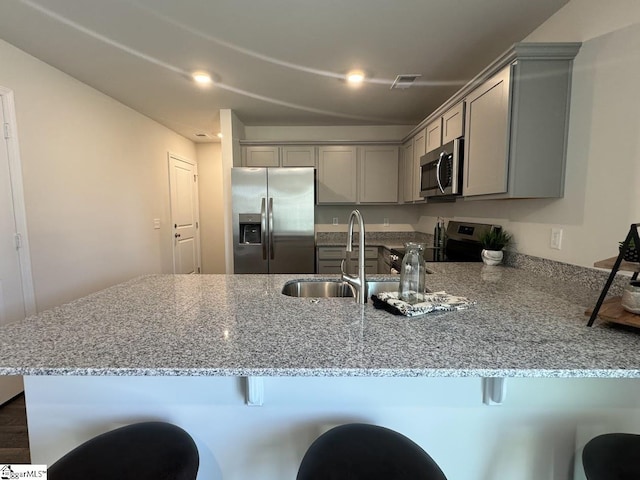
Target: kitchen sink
320, 289
334, 288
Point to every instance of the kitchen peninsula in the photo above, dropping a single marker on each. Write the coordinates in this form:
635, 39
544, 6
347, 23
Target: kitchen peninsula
173, 347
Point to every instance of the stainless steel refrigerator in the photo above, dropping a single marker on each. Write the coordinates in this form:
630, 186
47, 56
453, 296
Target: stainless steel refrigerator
273, 220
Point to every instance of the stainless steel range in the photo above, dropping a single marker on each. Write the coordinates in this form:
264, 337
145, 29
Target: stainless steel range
462, 244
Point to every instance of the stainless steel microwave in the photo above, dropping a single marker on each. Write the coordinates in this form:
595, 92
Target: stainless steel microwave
441, 170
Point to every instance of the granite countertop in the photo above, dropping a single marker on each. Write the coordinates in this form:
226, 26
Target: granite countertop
522, 325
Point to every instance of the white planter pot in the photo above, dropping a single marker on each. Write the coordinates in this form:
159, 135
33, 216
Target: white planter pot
631, 297
492, 257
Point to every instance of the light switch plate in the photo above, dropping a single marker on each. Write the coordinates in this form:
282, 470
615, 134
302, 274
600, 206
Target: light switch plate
556, 238
156, 223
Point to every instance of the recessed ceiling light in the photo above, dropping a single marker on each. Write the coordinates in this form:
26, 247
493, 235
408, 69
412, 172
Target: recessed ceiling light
202, 78
355, 77
219, 134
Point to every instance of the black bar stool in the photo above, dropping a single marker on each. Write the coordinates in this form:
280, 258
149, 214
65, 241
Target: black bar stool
612, 456
142, 451
359, 451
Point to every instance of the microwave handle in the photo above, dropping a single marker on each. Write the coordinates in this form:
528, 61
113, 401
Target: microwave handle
438, 172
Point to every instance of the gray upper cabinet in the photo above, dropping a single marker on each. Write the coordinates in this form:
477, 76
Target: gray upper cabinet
485, 167
337, 174
446, 128
346, 174
516, 124
279, 156
378, 174
513, 117
419, 149
358, 174
453, 123
261, 156
433, 135
298, 156
407, 171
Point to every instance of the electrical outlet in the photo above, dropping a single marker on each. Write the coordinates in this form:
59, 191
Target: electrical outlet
335, 220
385, 222
556, 238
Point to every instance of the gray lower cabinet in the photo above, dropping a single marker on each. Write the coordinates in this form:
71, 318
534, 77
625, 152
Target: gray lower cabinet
330, 258
516, 125
384, 260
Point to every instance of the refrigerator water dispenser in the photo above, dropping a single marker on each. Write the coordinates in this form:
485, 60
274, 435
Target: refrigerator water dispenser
250, 228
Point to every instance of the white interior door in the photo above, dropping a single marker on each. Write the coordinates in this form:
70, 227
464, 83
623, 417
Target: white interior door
11, 295
16, 290
183, 180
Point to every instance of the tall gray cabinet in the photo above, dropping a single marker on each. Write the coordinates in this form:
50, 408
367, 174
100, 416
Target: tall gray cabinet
516, 124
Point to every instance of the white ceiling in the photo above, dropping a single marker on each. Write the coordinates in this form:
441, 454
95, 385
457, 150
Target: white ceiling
276, 62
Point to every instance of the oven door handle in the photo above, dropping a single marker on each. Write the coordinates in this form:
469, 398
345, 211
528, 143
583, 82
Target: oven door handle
442, 154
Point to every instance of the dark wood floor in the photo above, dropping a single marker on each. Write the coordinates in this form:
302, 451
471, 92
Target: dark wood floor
14, 437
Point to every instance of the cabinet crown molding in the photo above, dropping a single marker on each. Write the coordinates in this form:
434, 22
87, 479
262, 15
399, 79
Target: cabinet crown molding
317, 143
523, 51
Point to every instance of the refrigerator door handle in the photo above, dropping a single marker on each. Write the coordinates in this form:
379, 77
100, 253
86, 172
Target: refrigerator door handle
263, 227
271, 228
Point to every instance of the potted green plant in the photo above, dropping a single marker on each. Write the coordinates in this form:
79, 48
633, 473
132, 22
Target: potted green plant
631, 254
493, 241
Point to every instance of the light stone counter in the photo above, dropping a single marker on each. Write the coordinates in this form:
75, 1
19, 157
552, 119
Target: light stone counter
524, 325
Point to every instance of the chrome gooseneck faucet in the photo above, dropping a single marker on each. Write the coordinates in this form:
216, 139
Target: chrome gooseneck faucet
359, 281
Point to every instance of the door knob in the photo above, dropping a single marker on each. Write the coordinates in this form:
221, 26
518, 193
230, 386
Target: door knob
177, 235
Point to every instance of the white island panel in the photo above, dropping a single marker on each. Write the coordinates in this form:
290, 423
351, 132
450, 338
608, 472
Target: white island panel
532, 436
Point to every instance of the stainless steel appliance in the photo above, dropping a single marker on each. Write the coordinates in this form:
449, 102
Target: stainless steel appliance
441, 171
273, 220
462, 244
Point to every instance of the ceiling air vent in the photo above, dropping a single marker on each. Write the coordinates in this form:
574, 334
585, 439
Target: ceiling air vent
403, 82
202, 135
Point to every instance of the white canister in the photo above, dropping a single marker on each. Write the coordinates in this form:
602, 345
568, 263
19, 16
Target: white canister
631, 297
